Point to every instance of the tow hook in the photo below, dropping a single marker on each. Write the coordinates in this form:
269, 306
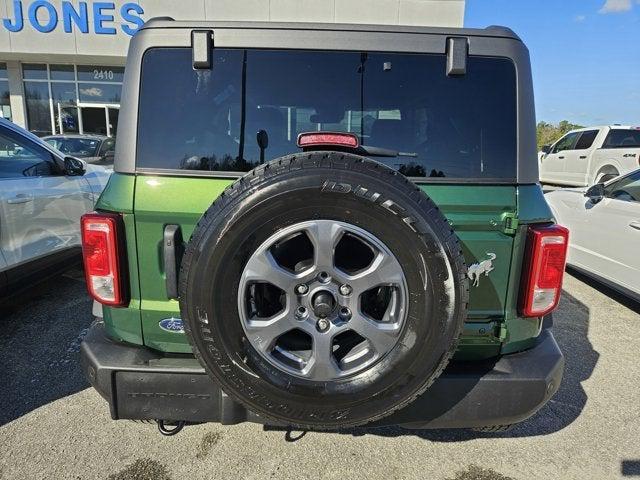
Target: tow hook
168, 430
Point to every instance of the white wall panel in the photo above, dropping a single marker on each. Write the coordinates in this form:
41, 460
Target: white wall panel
365, 11
178, 9
256, 10
436, 13
302, 10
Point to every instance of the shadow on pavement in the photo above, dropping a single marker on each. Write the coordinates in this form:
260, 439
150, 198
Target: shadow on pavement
40, 334
571, 327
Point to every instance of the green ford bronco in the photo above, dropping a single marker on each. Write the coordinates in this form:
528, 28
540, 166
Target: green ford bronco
324, 226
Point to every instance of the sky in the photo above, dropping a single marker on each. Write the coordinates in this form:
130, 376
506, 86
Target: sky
585, 55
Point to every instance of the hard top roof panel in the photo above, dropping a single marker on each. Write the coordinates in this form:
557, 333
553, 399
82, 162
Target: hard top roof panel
492, 31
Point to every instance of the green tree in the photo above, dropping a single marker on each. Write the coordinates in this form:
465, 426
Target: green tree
548, 133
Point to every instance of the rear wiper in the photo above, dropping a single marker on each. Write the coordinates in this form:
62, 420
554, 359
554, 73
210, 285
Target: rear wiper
382, 152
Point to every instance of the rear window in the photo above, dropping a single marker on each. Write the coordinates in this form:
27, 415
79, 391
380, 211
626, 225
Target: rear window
445, 127
586, 140
621, 138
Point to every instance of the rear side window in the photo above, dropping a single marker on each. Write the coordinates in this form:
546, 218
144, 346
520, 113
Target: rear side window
621, 138
444, 127
108, 145
586, 140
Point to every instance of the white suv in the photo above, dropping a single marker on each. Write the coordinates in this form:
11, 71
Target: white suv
42, 196
591, 155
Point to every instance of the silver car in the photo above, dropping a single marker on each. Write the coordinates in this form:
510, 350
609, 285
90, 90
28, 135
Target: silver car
42, 196
96, 149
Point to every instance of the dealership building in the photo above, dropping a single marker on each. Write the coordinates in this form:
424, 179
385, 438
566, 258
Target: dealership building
62, 62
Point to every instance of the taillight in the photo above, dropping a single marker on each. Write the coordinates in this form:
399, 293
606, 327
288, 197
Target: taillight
328, 139
102, 251
543, 272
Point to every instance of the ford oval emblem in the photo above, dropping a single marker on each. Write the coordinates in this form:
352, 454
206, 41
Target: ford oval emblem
173, 325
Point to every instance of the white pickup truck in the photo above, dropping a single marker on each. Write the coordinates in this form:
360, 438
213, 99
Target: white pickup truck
591, 155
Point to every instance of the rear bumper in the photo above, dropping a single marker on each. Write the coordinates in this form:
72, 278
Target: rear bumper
142, 384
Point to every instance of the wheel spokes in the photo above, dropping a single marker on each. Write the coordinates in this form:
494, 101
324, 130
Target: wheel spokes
322, 364
262, 267
324, 236
265, 333
381, 336
383, 271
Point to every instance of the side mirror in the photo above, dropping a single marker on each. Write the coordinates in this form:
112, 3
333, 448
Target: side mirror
109, 156
74, 167
546, 149
595, 193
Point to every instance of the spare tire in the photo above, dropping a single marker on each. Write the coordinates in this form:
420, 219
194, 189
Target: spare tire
323, 290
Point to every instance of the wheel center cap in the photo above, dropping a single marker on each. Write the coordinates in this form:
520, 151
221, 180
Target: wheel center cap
323, 303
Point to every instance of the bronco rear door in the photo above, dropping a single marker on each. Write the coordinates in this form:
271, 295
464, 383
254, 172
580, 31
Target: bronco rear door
456, 134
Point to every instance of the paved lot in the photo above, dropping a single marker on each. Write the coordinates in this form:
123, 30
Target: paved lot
53, 426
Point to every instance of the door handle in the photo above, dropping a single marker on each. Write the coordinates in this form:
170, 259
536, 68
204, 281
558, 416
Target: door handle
583, 157
561, 158
20, 198
635, 225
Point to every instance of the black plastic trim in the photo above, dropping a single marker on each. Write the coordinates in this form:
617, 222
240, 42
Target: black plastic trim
167, 172
457, 53
172, 249
143, 384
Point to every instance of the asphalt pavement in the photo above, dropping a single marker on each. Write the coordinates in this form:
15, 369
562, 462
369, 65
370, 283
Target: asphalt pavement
52, 426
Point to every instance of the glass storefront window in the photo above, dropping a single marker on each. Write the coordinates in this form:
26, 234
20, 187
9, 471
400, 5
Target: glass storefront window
5, 103
72, 99
100, 93
62, 72
65, 112
38, 107
64, 93
92, 73
114, 113
67, 120
34, 71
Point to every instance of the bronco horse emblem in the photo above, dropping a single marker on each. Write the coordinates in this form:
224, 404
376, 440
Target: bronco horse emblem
477, 269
